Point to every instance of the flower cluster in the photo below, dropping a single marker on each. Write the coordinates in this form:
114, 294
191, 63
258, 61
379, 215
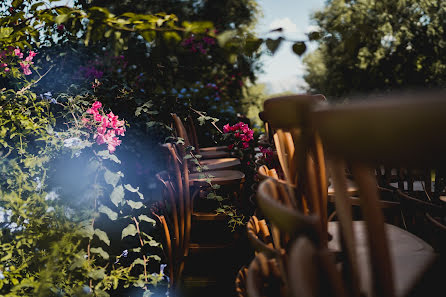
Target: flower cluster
241, 132
109, 127
7, 57
199, 45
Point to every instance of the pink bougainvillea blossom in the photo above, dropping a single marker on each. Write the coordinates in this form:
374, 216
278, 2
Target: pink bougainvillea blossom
242, 133
108, 127
18, 53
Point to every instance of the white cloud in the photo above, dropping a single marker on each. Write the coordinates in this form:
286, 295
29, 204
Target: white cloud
285, 23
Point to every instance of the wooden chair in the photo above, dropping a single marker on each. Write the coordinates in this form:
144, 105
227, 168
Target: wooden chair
240, 282
173, 221
194, 139
300, 152
312, 271
366, 135
181, 132
264, 278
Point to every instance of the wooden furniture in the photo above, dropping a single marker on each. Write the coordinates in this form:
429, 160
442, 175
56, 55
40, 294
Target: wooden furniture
395, 133
182, 132
240, 282
264, 278
300, 153
192, 132
173, 221
312, 271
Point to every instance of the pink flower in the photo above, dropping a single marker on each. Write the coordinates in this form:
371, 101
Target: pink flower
96, 105
231, 146
245, 145
7, 69
91, 111
97, 117
102, 130
226, 128
105, 122
120, 131
18, 53
85, 120
25, 68
100, 139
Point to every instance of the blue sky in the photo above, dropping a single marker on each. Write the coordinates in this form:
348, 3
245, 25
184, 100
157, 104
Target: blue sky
284, 70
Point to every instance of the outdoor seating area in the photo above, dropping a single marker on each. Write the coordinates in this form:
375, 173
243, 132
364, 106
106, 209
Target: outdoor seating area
230, 148
339, 216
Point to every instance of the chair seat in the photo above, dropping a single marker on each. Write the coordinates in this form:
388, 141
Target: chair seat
221, 177
220, 164
352, 188
411, 257
213, 148
213, 154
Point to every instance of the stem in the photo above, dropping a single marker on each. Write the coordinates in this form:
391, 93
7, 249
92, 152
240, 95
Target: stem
142, 245
33, 83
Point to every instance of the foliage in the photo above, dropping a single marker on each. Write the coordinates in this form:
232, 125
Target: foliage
378, 45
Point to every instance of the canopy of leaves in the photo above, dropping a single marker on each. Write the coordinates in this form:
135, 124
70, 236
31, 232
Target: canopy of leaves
377, 46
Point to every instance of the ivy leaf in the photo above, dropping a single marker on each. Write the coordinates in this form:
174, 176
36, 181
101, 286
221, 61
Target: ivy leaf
133, 190
110, 213
117, 196
112, 178
102, 236
314, 35
138, 261
155, 257
97, 274
106, 155
147, 219
130, 230
101, 252
135, 204
299, 48
273, 44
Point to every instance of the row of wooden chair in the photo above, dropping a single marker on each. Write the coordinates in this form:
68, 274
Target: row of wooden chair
375, 258
184, 183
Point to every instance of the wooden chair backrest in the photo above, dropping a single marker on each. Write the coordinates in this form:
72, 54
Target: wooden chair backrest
179, 170
264, 276
260, 237
286, 218
193, 134
300, 152
312, 271
181, 132
395, 133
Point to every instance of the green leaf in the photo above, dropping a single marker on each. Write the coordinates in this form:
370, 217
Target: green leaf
102, 236
299, 48
117, 196
112, 178
130, 230
110, 213
147, 219
138, 261
105, 154
314, 36
5, 32
128, 187
155, 257
224, 37
135, 204
101, 252
62, 18
273, 44
97, 274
